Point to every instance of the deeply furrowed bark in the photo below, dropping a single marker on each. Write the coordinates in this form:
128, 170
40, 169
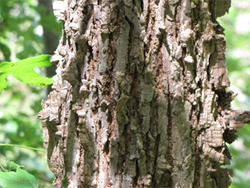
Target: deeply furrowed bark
140, 99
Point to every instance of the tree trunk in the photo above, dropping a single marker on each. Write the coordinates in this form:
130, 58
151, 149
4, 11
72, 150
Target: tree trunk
140, 97
50, 39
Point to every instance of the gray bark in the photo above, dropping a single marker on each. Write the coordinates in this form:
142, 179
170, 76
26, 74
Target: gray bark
140, 98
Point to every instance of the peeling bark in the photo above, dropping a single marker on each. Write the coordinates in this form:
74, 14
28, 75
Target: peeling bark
140, 97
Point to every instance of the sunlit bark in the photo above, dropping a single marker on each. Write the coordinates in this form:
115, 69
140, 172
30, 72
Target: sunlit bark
140, 98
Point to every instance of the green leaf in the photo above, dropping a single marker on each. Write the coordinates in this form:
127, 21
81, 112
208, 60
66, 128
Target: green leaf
5, 50
23, 70
20, 179
12, 166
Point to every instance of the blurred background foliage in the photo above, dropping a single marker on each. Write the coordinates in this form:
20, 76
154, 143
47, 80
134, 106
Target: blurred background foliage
237, 33
28, 28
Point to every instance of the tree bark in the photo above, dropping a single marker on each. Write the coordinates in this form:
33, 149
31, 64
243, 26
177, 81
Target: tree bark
140, 97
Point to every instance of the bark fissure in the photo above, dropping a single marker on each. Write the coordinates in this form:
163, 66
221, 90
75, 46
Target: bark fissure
154, 175
169, 137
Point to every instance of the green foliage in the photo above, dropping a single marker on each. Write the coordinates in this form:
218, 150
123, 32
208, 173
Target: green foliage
23, 70
21, 36
18, 20
20, 28
12, 166
5, 50
238, 63
17, 177
23, 146
23, 129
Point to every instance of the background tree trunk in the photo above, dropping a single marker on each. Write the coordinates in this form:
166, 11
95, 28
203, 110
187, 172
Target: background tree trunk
140, 97
50, 38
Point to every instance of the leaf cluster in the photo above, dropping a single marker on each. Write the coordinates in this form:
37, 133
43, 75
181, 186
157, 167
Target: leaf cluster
15, 176
23, 70
22, 21
21, 37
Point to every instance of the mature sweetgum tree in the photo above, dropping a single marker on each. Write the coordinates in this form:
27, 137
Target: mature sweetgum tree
140, 95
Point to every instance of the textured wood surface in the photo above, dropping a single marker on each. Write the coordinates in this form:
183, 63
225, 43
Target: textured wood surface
140, 96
